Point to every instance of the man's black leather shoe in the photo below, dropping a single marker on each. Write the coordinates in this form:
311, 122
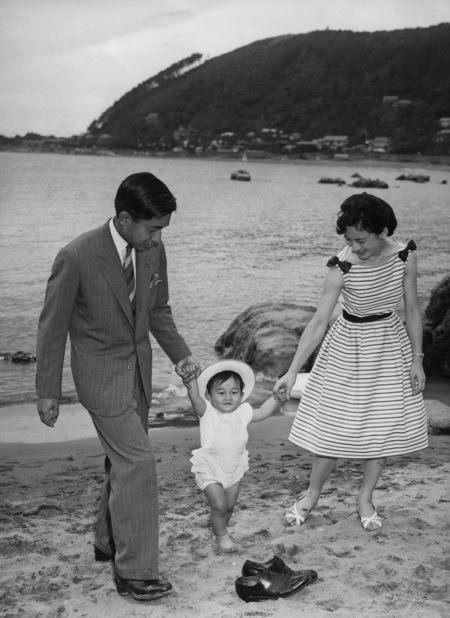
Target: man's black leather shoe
100, 555
268, 585
276, 565
142, 589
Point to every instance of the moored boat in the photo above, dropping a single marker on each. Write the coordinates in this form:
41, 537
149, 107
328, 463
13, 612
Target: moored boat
240, 175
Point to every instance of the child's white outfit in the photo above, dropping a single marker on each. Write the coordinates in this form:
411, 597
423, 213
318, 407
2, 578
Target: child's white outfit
222, 457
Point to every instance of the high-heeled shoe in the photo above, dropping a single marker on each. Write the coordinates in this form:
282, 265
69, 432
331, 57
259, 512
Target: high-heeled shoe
372, 519
292, 513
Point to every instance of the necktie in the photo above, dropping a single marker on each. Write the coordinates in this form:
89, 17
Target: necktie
129, 278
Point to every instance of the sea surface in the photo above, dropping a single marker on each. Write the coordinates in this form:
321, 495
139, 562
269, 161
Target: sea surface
230, 245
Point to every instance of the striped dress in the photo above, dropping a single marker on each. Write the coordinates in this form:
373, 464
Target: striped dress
358, 401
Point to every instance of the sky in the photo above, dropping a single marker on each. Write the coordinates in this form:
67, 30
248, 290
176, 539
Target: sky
64, 62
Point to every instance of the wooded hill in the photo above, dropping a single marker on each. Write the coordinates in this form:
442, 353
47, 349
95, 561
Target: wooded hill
323, 82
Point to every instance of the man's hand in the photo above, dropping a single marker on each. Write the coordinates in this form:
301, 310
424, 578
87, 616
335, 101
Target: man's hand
188, 369
48, 411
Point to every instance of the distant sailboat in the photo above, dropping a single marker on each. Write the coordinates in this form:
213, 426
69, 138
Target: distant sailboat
244, 157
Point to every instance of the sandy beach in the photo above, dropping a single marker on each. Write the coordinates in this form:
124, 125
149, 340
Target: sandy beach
50, 485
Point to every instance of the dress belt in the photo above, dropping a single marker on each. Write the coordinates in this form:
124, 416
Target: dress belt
366, 318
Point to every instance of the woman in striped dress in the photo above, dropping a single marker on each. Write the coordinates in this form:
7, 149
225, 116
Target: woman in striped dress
363, 399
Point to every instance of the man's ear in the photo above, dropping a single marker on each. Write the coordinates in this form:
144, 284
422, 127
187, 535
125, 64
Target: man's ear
124, 218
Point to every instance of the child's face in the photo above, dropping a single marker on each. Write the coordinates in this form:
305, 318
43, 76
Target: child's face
225, 396
363, 243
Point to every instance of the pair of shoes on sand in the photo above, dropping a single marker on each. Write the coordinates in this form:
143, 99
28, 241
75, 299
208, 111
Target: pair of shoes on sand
299, 515
271, 580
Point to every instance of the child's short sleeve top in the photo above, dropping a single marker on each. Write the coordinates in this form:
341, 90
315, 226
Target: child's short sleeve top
219, 430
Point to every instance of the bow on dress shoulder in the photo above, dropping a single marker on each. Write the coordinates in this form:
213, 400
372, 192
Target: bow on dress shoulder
344, 266
403, 254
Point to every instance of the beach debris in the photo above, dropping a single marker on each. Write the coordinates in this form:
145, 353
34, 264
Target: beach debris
19, 357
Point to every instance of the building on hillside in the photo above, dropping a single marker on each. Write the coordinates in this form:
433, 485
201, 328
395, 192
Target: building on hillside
442, 136
444, 122
380, 145
389, 100
394, 101
334, 142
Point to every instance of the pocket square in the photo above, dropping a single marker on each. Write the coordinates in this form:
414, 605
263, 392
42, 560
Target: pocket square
155, 280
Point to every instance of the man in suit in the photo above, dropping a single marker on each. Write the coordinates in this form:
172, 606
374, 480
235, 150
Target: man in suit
107, 289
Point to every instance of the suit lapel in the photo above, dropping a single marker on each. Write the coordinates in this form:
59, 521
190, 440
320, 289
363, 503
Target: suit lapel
113, 271
146, 264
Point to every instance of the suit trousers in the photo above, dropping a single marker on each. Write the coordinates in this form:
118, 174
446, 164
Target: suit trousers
127, 519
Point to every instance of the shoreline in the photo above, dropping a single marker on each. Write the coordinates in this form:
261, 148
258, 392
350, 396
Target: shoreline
50, 493
358, 158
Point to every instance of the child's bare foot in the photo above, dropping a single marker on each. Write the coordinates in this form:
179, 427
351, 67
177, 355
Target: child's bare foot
226, 543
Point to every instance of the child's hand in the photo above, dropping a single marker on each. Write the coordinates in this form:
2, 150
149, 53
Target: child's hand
187, 381
188, 369
283, 386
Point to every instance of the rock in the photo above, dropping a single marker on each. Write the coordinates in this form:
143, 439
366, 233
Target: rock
266, 336
414, 177
436, 333
438, 415
368, 183
18, 357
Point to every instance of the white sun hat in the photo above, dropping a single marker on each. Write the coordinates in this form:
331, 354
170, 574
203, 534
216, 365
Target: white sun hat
239, 367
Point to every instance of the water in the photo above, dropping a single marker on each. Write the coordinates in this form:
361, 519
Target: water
230, 245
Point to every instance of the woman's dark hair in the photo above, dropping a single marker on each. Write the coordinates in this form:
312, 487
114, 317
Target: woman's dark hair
366, 212
144, 196
222, 377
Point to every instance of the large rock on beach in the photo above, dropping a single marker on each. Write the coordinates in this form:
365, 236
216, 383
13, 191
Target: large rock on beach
438, 415
266, 336
436, 334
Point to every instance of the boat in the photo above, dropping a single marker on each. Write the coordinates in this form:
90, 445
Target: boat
240, 175
331, 181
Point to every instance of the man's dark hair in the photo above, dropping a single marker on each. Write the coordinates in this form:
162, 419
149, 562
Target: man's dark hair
144, 196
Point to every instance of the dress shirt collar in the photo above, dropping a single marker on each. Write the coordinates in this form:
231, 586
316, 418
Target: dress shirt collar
120, 243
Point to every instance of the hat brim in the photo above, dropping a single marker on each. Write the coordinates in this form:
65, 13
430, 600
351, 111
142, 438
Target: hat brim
239, 367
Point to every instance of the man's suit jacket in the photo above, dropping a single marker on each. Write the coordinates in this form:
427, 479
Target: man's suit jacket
87, 297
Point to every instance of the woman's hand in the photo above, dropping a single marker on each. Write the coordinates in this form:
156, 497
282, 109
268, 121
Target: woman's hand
417, 377
283, 386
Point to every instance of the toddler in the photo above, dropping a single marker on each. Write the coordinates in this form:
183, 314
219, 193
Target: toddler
218, 398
